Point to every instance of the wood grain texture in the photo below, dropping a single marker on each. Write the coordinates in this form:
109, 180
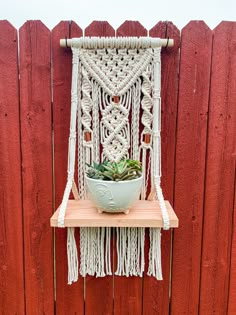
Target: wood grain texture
220, 177
131, 28
128, 291
99, 28
69, 298
156, 293
99, 291
232, 275
36, 146
217, 284
195, 63
142, 214
11, 230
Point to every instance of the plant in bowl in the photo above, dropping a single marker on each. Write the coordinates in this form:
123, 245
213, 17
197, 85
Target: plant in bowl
114, 186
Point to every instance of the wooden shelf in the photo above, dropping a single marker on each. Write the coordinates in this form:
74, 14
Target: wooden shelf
144, 213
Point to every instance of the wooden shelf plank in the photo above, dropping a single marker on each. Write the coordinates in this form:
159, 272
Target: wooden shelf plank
143, 214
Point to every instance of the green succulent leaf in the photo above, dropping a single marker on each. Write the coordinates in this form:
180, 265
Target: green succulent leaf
115, 171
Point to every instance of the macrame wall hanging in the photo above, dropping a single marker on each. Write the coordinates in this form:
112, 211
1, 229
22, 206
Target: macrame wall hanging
115, 114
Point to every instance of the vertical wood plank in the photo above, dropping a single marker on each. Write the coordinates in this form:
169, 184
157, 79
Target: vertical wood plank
232, 276
156, 293
36, 135
99, 28
131, 28
99, 291
69, 298
11, 229
128, 291
220, 177
195, 63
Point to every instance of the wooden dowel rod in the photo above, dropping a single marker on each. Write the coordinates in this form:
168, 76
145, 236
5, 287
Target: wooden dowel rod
116, 42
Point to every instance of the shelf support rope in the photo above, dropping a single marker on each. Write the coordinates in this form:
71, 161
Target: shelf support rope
72, 138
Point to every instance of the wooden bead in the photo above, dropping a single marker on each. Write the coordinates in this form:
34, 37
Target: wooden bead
116, 99
87, 136
147, 138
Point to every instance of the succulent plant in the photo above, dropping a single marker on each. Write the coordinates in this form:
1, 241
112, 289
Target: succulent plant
115, 171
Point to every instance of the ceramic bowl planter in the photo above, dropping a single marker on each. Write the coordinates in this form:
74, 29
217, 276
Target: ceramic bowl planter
112, 196
114, 186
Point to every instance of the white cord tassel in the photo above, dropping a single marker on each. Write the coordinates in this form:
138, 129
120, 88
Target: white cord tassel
130, 251
108, 251
100, 253
154, 268
83, 250
140, 261
72, 256
95, 251
91, 266
120, 248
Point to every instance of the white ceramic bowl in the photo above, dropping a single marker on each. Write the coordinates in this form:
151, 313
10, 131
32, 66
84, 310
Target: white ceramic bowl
110, 196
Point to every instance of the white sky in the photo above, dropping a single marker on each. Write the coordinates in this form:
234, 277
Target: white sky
148, 12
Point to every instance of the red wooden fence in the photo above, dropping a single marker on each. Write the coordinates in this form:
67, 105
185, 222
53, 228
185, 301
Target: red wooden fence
198, 166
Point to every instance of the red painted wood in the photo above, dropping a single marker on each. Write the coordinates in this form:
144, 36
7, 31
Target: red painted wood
220, 177
195, 62
232, 276
99, 291
156, 293
11, 238
36, 145
131, 28
99, 28
69, 298
128, 291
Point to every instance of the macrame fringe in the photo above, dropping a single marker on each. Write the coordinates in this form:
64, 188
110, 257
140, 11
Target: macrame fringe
72, 256
130, 251
154, 268
95, 252
95, 255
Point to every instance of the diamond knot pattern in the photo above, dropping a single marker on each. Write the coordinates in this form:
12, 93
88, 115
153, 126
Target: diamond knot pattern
115, 69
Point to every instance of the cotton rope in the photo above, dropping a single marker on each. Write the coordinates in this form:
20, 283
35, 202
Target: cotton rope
129, 69
117, 42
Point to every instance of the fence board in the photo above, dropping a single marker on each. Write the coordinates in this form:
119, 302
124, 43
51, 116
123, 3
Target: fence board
232, 277
128, 291
27, 286
11, 237
195, 62
99, 28
131, 28
156, 293
220, 175
70, 298
99, 291
36, 145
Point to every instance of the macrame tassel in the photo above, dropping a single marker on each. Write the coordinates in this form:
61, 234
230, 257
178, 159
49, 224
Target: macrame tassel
108, 251
100, 272
95, 253
154, 268
72, 256
130, 251
83, 250
120, 249
140, 255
